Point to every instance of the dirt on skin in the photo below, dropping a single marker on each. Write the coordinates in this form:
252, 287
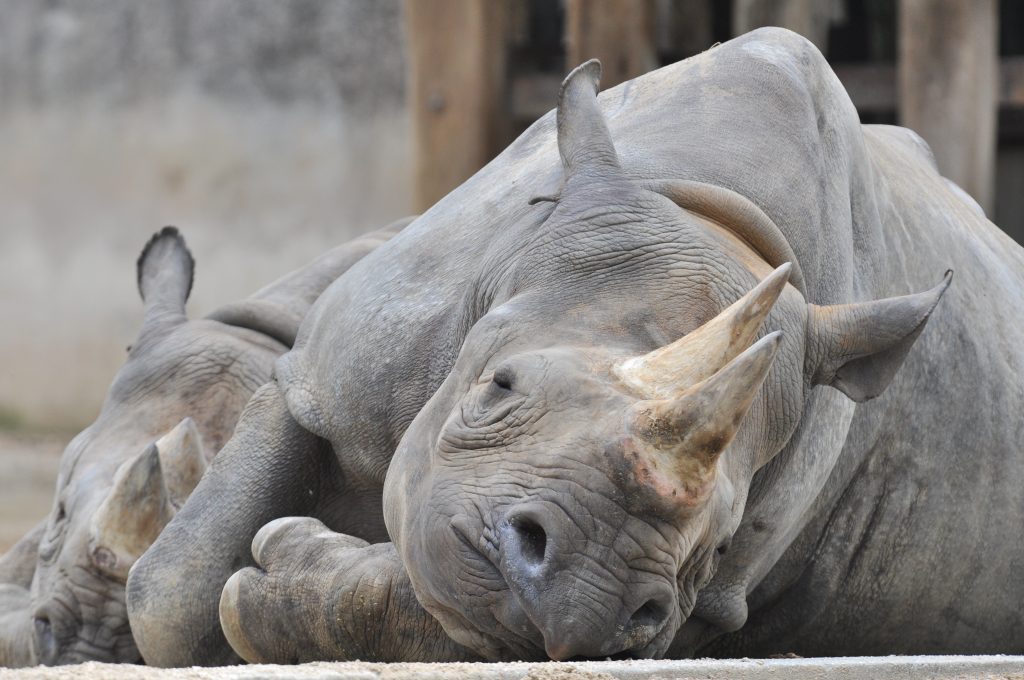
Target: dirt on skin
28, 478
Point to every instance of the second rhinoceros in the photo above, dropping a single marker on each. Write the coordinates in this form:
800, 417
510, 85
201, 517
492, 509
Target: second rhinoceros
685, 402
170, 409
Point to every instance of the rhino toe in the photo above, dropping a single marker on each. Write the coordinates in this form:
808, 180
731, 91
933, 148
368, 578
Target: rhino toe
297, 540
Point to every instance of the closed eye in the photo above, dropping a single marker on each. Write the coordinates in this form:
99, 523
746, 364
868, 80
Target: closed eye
503, 378
51, 542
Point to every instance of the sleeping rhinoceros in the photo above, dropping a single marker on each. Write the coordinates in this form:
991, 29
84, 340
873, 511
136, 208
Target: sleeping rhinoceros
62, 586
658, 411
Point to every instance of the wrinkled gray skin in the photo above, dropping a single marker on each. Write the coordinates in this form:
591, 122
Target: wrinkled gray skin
62, 586
457, 393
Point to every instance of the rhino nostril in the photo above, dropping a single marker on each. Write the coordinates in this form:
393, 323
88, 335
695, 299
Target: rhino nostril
45, 642
650, 614
533, 541
42, 625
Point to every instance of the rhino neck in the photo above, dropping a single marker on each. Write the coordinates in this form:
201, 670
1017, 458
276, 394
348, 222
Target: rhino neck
785, 495
268, 318
739, 215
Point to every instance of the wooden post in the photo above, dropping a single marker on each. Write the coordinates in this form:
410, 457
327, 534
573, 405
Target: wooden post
683, 27
618, 32
809, 18
457, 88
948, 78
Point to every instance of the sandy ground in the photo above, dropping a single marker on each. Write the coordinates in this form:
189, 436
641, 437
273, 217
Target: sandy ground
28, 474
878, 668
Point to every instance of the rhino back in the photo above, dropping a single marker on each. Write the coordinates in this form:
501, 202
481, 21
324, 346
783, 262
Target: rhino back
714, 118
925, 499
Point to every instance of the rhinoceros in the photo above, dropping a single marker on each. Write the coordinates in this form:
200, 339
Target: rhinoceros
170, 409
655, 382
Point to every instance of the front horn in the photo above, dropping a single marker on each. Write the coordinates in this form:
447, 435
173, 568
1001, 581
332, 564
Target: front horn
674, 368
685, 435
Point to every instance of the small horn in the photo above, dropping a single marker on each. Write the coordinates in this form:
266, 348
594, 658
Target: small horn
182, 460
133, 514
671, 369
690, 431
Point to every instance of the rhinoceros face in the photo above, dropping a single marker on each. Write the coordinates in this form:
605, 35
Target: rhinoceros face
577, 498
171, 406
106, 514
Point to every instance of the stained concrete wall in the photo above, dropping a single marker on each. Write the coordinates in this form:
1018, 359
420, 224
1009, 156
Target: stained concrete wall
267, 130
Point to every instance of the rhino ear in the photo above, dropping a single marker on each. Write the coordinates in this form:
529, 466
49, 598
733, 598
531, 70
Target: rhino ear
584, 142
857, 348
182, 460
133, 514
164, 273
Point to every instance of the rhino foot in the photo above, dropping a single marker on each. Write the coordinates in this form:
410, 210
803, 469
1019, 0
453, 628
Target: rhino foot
15, 627
316, 595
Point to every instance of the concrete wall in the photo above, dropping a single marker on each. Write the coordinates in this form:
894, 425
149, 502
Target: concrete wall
267, 130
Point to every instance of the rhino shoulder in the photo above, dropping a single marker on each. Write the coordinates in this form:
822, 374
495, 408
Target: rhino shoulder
906, 140
306, 403
912, 146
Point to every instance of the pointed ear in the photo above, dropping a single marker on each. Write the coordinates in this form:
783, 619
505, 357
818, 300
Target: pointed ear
164, 274
584, 142
857, 348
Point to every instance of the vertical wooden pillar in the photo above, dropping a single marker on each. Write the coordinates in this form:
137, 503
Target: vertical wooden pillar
809, 18
948, 77
457, 87
618, 32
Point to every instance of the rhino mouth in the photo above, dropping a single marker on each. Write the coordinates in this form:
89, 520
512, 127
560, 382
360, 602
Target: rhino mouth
84, 620
509, 622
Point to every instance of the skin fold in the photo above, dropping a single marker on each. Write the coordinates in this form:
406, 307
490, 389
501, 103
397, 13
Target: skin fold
536, 415
183, 387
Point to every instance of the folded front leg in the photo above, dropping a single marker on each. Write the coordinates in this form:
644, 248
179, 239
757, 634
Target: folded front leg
16, 569
15, 626
271, 467
317, 595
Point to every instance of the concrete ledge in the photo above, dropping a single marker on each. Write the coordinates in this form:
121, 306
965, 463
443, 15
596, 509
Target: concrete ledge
851, 668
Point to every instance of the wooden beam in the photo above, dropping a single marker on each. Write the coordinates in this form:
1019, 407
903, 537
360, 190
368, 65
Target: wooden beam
809, 18
872, 87
618, 32
457, 89
948, 84
683, 27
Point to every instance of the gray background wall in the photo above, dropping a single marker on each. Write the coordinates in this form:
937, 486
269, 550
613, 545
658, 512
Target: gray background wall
267, 130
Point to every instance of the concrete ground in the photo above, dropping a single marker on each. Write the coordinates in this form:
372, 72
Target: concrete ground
857, 668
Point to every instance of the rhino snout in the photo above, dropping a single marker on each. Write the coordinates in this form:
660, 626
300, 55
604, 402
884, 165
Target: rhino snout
45, 642
589, 615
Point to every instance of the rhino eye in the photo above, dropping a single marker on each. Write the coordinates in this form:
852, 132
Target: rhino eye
503, 378
52, 540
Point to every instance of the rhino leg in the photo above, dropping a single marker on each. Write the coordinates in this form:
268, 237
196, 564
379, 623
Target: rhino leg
15, 626
16, 569
320, 595
18, 565
270, 468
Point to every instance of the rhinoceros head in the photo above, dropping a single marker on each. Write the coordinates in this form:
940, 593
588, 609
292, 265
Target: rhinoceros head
171, 406
576, 479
